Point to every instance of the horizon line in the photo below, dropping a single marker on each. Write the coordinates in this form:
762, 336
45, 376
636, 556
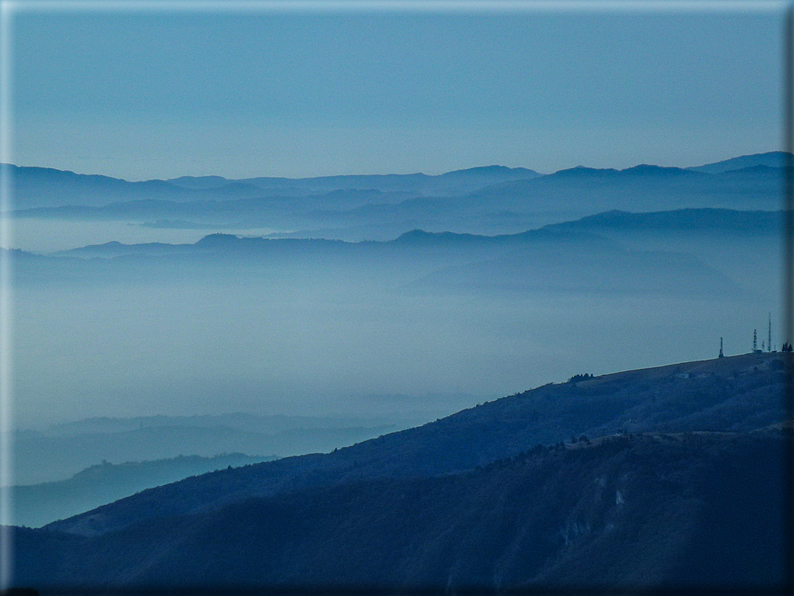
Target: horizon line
276, 177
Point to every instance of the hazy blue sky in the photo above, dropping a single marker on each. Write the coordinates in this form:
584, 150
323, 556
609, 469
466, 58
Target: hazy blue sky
144, 95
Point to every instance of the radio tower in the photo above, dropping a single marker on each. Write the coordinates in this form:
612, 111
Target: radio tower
755, 341
721, 354
769, 339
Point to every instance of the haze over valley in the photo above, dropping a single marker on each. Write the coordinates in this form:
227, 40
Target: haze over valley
404, 329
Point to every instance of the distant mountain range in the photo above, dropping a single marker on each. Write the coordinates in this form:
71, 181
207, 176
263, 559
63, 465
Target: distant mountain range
663, 478
31, 184
721, 221
489, 200
588, 255
693, 252
47, 187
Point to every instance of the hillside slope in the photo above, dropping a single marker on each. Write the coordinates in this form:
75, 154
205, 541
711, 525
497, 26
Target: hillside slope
738, 393
691, 511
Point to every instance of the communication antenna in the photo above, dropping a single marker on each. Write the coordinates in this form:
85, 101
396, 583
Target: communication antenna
769, 342
721, 354
755, 341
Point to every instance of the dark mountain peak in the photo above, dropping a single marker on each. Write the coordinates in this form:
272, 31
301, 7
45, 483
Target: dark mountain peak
583, 172
771, 158
638, 170
420, 237
415, 236
219, 240
491, 171
652, 170
55, 175
220, 243
18, 253
42, 171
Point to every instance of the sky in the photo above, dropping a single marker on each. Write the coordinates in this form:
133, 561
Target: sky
156, 94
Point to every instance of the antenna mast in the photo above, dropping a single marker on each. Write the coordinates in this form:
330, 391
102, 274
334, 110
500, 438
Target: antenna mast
755, 341
769, 342
721, 354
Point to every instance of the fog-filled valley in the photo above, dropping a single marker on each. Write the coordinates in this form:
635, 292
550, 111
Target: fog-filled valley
234, 324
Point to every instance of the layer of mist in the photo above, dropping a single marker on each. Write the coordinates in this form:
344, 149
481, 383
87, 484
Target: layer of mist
331, 328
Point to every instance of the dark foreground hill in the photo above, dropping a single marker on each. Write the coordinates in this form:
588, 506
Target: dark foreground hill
733, 394
676, 511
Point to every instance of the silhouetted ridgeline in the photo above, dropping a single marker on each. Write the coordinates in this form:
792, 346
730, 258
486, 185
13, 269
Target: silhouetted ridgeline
41, 187
679, 490
485, 200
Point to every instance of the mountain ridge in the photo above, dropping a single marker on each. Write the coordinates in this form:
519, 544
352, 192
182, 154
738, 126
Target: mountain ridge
689, 218
770, 158
777, 159
738, 393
